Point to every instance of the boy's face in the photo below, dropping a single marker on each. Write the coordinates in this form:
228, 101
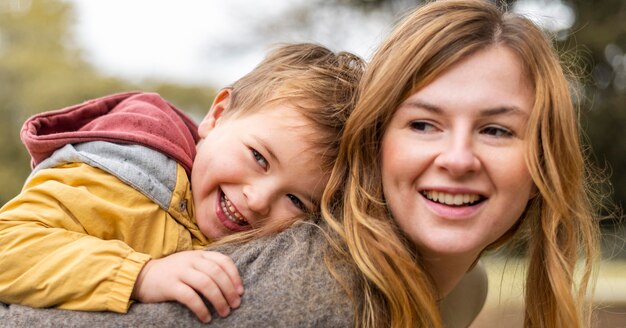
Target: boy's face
253, 169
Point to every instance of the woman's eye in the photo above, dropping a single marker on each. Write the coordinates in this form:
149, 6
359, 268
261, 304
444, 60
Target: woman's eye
259, 159
298, 203
497, 132
422, 126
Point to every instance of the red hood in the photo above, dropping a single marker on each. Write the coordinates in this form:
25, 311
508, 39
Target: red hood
132, 117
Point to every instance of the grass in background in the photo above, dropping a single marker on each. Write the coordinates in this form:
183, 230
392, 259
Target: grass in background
505, 299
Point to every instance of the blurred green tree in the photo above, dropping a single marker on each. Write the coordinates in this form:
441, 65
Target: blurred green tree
41, 68
599, 34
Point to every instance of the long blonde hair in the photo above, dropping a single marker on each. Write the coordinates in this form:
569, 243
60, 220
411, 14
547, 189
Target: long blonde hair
397, 292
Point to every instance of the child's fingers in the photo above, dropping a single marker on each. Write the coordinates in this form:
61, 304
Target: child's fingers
222, 281
206, 285
188, 297
228, 265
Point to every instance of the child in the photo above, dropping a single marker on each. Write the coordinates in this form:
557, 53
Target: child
117, 208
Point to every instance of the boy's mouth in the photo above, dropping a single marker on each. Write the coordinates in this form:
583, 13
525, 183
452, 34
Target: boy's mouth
231, 211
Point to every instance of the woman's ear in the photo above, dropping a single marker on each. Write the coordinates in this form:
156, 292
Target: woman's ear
220, 104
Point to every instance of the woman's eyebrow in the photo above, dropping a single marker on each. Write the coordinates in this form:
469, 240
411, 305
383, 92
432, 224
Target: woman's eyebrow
503, 110
417, 103
488, 112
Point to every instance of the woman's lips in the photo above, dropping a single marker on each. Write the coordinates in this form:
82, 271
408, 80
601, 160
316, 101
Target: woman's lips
453, 199
453, 206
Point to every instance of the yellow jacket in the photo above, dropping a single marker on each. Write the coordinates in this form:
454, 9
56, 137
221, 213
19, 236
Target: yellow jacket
77, 236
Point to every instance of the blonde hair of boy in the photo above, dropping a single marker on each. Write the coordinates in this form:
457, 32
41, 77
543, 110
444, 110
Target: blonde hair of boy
319, 83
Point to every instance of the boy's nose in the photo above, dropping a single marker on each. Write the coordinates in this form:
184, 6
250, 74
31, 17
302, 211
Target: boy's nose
458, 157
258, 199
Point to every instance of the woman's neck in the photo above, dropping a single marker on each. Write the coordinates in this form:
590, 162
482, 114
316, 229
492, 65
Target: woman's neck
447, 270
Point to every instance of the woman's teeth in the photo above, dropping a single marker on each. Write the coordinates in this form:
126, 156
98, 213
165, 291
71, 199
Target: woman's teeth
451, 199
231, 213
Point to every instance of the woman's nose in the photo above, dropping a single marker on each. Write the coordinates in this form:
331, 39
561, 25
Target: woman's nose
258, 199
458, 156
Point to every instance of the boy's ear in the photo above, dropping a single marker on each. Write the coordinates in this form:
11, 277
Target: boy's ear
220, 104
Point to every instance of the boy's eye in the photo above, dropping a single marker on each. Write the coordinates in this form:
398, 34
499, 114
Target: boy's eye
422, 126
497, 132
259, 158
298, 203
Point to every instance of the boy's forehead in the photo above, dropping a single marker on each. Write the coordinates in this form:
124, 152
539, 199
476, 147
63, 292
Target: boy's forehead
278, 107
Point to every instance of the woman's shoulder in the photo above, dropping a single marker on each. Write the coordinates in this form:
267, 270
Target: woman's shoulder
287, 283
307, 237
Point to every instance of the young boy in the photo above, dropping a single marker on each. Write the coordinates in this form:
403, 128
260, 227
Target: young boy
126, 191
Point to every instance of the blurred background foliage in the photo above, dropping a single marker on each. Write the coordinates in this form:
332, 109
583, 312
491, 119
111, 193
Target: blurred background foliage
43, 68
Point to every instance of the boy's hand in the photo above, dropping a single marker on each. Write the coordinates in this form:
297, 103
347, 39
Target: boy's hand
181, 276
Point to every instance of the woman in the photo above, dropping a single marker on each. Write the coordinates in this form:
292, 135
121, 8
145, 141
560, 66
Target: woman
464, 135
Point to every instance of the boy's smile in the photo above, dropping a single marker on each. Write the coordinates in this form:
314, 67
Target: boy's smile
228, 214
254, 168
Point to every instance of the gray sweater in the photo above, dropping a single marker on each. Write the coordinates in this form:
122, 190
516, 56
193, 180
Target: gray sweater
286, 285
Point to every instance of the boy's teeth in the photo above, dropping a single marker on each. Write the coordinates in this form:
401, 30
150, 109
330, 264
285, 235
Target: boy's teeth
231, 213
451, 199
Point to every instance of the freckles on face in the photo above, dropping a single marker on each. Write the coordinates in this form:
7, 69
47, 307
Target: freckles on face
453, 169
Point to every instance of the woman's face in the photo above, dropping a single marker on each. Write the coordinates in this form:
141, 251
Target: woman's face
453, 168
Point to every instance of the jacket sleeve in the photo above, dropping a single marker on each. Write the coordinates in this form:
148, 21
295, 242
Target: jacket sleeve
57, 242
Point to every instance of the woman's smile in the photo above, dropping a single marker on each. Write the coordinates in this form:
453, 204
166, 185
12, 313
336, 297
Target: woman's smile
452, 199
